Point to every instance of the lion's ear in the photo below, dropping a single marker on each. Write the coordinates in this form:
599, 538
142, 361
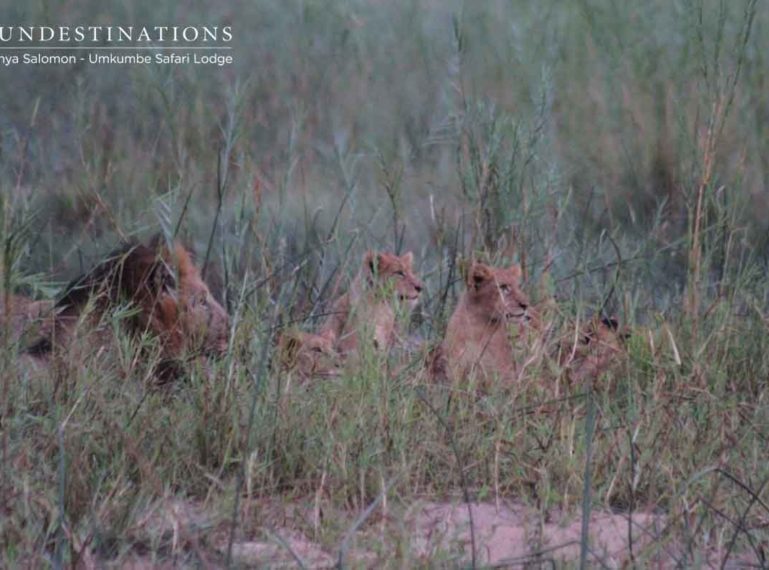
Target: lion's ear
289, 345
516, 271
161, 279
408, 259
479, 273
372, 261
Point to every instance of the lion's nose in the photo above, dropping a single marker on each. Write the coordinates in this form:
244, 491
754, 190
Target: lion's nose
523, 306
418, 287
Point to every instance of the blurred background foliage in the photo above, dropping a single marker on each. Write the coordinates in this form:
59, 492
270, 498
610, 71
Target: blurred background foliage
533, 131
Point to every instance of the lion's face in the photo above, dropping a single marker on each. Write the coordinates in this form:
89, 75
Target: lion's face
309, 355
23, 316
495, 294
204, 322
188, 317
391, 271
598, 348
164, 285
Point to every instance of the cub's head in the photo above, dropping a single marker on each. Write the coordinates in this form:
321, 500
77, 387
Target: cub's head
389, 270
604, 336
600, 345
309, 355
495, 294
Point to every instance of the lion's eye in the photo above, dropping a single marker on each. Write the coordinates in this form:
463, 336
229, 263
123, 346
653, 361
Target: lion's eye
201, 300
400, 274
317, 349
505, 289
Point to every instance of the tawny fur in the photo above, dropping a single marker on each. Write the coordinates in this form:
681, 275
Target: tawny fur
308, 355
369, 307
492, 313
596, 349
21, 316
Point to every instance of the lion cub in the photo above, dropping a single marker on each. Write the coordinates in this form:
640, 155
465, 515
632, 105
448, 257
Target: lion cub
383, 282
22, 316
598, 346
308, 355
491, 313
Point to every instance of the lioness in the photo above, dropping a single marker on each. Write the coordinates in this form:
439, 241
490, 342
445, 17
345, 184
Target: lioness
480, 334
165, 290
369, 307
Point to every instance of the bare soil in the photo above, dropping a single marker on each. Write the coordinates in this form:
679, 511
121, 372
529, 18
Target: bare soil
427, 533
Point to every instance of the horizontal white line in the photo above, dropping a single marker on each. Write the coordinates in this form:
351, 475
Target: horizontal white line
110, 47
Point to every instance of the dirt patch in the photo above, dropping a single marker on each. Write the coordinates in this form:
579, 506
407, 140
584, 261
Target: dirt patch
514, 533
284, 550
508, 535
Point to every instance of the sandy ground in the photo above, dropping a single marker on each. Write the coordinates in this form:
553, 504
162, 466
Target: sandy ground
426, 534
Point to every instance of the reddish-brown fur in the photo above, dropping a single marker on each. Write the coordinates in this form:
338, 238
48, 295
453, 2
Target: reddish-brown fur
383, 281
173, 302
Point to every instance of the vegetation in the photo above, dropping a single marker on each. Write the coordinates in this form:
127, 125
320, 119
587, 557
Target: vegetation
616, 150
